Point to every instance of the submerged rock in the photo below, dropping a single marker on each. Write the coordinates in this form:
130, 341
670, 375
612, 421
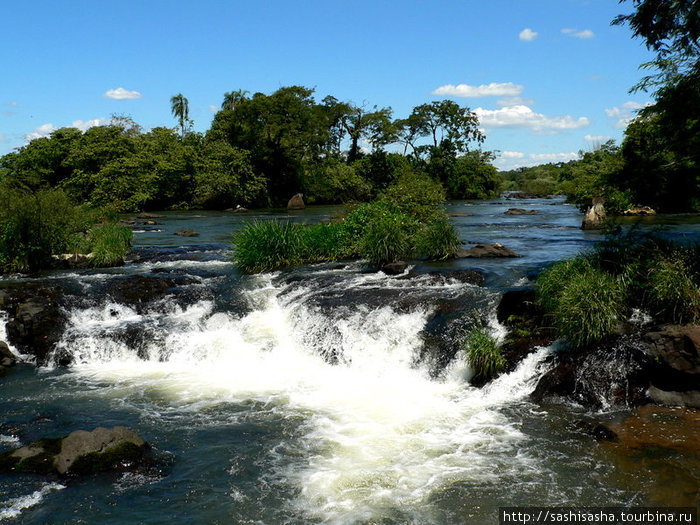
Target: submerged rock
81, 452
520, 211
187, 232
296, 202
486, 251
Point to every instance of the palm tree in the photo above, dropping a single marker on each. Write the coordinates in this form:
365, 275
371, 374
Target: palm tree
233, 98
180, 108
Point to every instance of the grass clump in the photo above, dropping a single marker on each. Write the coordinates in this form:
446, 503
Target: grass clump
483, 354
109, 243
400, 225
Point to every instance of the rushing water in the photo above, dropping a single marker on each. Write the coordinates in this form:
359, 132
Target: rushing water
307, 396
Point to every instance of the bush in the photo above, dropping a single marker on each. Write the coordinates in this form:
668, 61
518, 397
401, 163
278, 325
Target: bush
672, 294
387, 239
437, 240
552, 282
264, 246
110, 243
416, 194
483, 354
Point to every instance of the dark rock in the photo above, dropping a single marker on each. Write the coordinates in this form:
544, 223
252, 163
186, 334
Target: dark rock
613, 373
7, 358
603, 433
142, 289
474, 277
36, 320
395, 268
238, 209
296, 202
520, 302
80, 452
520, 211
486, 251
145, 215
685, 398
460, 214
594, 217
187, 232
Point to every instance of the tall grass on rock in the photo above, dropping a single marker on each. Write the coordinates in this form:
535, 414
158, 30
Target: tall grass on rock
109, 243
483, 354
263, 246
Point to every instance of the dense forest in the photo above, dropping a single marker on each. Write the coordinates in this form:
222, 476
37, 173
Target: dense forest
259, 151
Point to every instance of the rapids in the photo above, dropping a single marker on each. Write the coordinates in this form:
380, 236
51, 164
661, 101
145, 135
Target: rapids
314, 395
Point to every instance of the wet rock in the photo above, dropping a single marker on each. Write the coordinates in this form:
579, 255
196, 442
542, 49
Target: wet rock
73, 260
81, 452
145, 215
187, 232
142, 289
640, 211
7, 358
486, 251
594, 217
460, 214
520, 211
237, 209
296, 202
35, 319
613, 373
395, 268
474, 277
687, 398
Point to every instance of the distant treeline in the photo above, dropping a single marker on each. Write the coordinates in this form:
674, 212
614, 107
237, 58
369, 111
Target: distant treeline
259, 151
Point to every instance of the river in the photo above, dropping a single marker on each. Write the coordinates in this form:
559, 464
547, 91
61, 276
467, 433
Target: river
310, 395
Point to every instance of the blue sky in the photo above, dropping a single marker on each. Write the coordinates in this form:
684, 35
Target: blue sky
546, 77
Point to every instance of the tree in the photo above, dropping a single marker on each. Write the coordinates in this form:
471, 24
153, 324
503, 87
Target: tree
375, 126
233, 99
180, 108
671, 28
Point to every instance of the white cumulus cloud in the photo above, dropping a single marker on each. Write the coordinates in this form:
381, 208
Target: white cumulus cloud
512, 155
84, 125
506, 102
121, 94
40, 131
527, 35
622, 115
585, 34
596, 138
522, 117
494, 89
213, 108
2, 137
554, 157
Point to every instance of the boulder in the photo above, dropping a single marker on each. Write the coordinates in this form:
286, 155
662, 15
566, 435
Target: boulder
145, 215
394, 268
640, 211
520, 211
594, 217
81, 452
35, 319
460, 214
73, 260
7, 358
486, 250
296, 202
187, 232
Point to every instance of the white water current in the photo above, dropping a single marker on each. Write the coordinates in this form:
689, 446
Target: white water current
379, 431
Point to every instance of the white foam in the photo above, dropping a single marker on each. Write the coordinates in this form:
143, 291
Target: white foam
379, 431
14, 507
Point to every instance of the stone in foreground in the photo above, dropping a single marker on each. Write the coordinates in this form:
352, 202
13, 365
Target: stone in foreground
81, 452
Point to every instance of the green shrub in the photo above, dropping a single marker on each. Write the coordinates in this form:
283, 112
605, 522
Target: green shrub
387, 239
589, 307
110, 243
552, 282
483, 354
264, 246
672, 294
416, 194
437, 240
323, 242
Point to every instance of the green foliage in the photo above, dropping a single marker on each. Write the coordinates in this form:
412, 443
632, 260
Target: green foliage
33, 226
415, 194
264, 246
437, 240
109, 243
672, 293
552, 281
589, 307
334, 181
387, 238
483, 353
472, 176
